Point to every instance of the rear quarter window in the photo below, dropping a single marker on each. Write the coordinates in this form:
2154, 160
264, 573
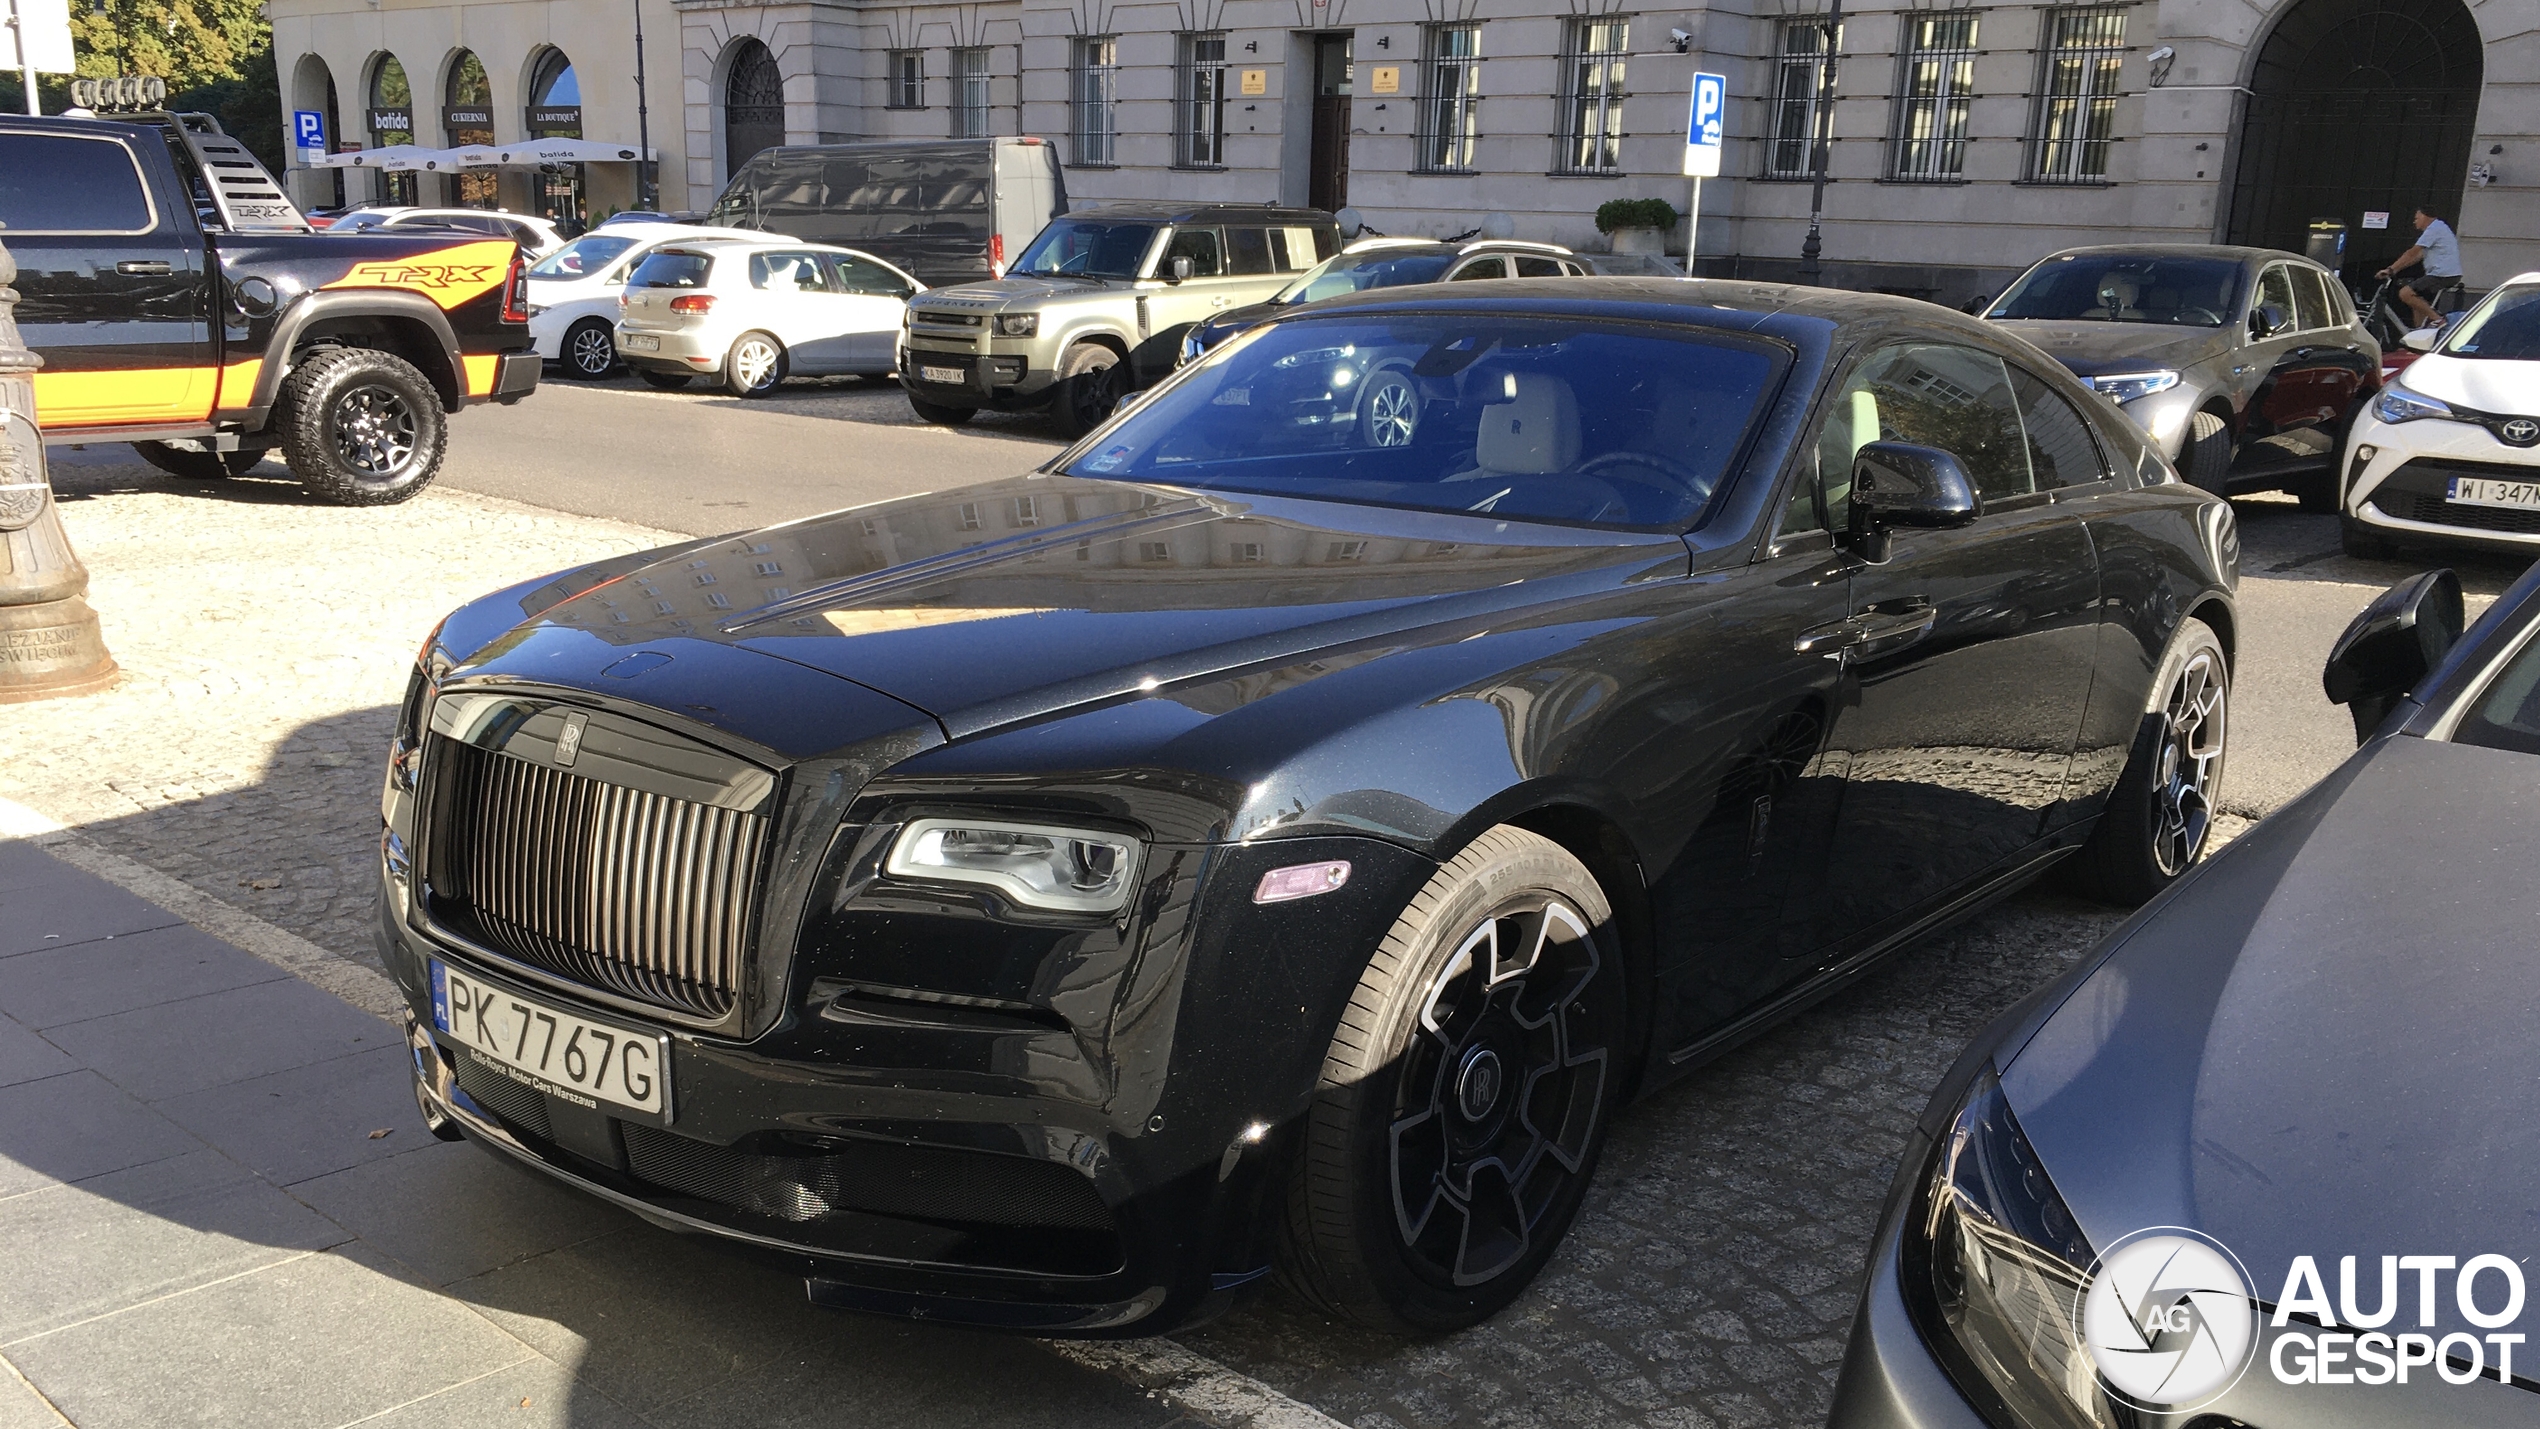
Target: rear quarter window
672, 270
63, 183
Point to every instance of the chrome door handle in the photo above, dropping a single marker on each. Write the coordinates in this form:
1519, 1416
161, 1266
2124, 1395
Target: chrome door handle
1870, 628
143, 267
1830, 639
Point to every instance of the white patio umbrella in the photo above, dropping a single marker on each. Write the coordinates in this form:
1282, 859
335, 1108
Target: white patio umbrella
531, 153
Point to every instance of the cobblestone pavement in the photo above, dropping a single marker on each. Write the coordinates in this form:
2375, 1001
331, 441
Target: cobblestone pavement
1711, 1279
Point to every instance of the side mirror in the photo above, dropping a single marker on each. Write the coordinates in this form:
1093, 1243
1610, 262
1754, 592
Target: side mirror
1899, 484
1181, 269
2391, 645
2421, 339
2267, 321
1976, 305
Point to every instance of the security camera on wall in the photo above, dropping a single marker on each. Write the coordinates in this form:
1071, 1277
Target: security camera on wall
1681, 40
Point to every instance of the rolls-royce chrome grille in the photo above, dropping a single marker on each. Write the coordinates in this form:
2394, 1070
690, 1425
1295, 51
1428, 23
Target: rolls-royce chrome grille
625, 889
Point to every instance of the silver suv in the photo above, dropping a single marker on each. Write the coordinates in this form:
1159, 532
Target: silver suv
1097, 306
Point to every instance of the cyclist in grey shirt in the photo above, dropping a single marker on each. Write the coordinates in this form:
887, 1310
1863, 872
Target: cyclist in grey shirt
2440, 249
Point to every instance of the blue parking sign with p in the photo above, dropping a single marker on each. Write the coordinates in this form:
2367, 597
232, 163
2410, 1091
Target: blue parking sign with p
308, 130
1707, 125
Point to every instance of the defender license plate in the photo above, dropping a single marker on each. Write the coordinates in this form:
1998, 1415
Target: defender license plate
548, 1049
2481, 491
953, 375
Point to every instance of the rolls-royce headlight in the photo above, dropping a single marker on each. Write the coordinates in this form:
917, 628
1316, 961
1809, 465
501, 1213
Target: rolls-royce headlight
2124, 387
2005, 1266
1062, 870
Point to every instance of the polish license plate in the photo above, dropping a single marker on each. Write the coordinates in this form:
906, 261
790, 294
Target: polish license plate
637, 342
952, 375
2481, 491
547, 1049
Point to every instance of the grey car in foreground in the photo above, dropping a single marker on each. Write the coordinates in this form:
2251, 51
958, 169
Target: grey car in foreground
2268, 1157
2245, 364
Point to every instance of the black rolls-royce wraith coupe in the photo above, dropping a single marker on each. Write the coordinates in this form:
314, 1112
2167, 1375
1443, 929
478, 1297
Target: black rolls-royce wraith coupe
1277, 834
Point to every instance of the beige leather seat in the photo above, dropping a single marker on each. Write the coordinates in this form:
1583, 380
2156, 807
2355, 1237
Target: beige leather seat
1533, 431
2121, 295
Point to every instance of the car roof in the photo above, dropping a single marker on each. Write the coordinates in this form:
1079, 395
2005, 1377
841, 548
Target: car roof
2233, 252
1478, 245
1155, 212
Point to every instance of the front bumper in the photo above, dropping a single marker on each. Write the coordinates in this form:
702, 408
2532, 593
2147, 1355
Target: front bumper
1890, 1379
985, 379
2401, 489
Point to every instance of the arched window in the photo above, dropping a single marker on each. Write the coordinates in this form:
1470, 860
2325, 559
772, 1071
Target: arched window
753, 105
392, 99
468, 116
555, 112
313, 88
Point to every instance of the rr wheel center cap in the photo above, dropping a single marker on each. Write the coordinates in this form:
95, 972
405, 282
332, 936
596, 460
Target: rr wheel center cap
1477, 1083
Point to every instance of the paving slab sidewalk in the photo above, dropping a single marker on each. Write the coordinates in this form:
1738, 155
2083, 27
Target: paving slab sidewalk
219, 1206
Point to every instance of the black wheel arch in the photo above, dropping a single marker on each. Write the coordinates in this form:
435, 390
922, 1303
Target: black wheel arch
408, 324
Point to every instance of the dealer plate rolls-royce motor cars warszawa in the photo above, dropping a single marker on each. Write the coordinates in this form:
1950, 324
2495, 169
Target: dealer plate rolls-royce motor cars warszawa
1276, 836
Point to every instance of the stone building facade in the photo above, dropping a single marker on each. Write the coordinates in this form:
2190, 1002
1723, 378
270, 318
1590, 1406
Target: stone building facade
1965, 140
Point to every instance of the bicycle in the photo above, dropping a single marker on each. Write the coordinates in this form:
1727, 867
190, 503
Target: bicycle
2389, 320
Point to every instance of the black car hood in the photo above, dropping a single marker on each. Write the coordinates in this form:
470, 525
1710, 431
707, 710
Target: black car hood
1005, 601
2091, 348
1249, 315
2327, 1042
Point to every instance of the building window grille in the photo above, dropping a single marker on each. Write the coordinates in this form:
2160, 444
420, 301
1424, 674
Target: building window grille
1094, 88
970, 92
1450, 106
908, 79
1932, 96
1199, 136
1799, 96
1027, 511
1592, 101
969, 516
2077, 96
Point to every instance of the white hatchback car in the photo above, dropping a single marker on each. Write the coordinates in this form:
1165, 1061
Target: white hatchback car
758, 310
536, 236
2449, 452
573, 291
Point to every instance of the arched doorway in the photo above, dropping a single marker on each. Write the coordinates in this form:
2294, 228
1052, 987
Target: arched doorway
467, 115
2357, 106
313, 88
392, 121
753, 105
555, 112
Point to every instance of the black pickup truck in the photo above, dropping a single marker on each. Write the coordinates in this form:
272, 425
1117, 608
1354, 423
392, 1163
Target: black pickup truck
181, 303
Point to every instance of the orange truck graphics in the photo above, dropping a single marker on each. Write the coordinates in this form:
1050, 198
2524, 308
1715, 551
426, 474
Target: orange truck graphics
449, 277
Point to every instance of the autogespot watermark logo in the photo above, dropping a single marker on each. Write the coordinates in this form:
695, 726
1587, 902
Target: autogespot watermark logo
2172, 1323
2169, 1320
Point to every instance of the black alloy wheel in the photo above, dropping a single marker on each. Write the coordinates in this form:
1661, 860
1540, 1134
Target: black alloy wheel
590, 353
1465, 1096
361, 427
1090, 384
2160, 816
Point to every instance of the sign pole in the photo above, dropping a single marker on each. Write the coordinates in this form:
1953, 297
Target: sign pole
19, 26
644, 179
1706, 130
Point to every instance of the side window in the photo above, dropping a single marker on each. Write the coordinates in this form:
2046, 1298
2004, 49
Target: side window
2310, 298
1933, 395
2275, 290
59, 183
1200, 245
2061, 449
863, 275
1529, 266
1248, 252
1493, 266
787, 273
1296, 249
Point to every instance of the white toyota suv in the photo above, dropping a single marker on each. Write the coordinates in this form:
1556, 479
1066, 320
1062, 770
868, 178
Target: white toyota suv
2449, 452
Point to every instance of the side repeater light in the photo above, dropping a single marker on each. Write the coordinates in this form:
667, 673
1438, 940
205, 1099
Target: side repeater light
1302, 880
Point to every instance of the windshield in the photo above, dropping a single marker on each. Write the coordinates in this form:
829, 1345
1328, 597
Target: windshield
2189, 292
2506, 715
2505, 327
582, 257
1081, 248
1538, 419
1355, 272
671, 268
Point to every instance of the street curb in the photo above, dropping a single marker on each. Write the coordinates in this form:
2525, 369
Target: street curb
1192, 1383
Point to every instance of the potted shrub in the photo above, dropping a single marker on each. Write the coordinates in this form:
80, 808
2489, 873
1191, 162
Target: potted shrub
1636, 225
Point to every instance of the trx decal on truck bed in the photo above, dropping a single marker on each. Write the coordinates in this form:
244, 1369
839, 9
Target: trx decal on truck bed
449, 276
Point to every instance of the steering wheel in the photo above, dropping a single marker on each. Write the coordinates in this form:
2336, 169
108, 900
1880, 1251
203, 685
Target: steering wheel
1673, 484
2205, 317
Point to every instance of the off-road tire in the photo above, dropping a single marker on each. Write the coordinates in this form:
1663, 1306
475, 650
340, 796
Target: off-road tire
590, 350
2134, 851
198, 466
1090, 384
2205, 458
2364, 543
743, 376
664, 381
361, 427
1346, 1237
938, 413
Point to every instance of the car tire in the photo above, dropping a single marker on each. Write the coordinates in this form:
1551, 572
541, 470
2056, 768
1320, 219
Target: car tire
2159, 818
198, 466
590, 352
663, 381
361, 427
2205, 460
1374, 1230
755, 366
2364, 543
1090, 382
938, 413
